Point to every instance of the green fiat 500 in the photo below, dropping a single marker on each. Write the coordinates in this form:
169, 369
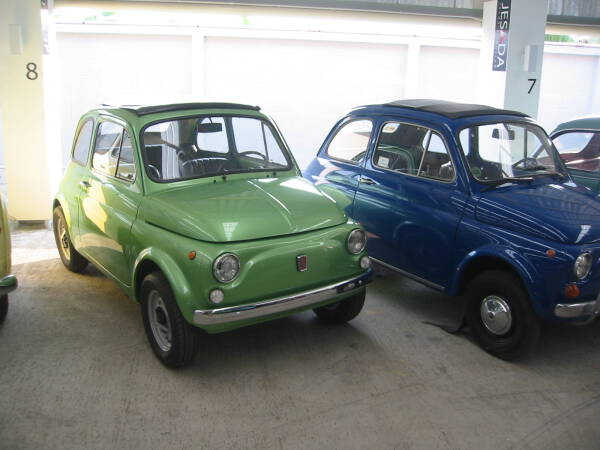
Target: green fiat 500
8, 282
200, 212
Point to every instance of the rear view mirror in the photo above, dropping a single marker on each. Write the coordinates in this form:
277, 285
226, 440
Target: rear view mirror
210, 127
505, 135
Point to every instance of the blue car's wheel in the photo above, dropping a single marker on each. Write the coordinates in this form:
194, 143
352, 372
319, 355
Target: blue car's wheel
500, 316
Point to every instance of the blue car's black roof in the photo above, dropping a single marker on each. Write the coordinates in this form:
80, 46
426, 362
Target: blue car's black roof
452, 110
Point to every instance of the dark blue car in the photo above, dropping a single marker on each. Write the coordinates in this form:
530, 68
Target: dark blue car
470, 200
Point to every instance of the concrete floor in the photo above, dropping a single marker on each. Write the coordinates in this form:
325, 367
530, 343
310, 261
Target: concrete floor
76, 372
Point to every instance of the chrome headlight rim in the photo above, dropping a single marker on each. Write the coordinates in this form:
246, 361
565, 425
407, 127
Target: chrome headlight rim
218, 262
583, 265
363, 239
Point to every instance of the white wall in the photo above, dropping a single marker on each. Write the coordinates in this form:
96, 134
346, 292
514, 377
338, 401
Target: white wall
304, 85
101, 68
448, 73
567, 90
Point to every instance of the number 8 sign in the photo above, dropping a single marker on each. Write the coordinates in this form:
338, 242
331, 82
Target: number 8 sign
31, 71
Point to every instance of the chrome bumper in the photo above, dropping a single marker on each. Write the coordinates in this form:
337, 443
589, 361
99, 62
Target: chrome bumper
8, 284
281, 304
574, 310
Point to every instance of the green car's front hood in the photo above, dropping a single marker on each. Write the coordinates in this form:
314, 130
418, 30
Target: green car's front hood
241, 210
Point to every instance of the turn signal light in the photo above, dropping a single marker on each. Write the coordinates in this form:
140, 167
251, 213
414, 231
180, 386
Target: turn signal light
572, 291
192, 255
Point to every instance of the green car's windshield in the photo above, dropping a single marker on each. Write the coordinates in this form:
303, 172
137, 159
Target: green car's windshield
204, 146
506, 150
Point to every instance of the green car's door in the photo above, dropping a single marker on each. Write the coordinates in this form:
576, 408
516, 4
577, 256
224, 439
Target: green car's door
109, 201
580, 151
77, 169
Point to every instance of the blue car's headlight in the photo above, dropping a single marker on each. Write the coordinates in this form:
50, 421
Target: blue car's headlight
583, 265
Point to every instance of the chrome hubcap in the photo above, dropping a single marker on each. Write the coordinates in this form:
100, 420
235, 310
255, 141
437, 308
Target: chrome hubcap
496, 315
159, 321
63, 238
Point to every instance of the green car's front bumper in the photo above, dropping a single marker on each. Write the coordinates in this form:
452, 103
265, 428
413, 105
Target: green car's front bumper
8, 284
276, 306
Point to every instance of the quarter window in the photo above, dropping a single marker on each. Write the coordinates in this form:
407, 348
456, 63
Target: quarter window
81, 150
106, 150
413, 150
351, 141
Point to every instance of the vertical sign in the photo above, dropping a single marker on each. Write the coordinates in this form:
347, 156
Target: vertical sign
501, 38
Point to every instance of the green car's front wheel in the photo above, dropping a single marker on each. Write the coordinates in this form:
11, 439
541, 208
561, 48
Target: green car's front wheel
3, 307
172, 339
70, 257
342, 311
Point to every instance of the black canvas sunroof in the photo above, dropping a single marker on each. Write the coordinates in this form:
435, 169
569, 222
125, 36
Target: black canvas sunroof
145, 110
452, 110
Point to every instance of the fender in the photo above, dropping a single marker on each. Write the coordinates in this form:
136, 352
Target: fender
62, 201
177, 280
526, 271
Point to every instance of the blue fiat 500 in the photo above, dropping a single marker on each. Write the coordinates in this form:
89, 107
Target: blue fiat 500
470, 200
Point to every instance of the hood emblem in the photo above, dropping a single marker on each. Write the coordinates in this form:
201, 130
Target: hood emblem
302, 263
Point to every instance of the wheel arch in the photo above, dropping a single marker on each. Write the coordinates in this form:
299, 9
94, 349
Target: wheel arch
61, 201
503, 259
153, 259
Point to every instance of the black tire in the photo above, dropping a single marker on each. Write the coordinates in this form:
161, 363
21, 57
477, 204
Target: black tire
505, 339
183, 340
3, 307
342, 311
70, 257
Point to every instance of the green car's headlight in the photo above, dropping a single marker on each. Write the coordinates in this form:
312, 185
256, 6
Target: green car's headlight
356, 242
583, 265
226, 267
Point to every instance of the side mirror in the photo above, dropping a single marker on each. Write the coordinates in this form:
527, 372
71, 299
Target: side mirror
210, 127
507, 135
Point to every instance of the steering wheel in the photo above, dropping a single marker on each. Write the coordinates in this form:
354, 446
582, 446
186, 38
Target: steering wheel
252, 152
154, 171
528, 163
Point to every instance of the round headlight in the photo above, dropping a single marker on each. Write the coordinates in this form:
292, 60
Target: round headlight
226, 267
582, 265
357, 241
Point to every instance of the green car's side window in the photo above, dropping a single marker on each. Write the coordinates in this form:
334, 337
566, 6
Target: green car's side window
81, 150
126, 166
106, 150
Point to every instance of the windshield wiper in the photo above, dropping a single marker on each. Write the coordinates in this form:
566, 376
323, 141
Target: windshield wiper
500, 181
550, 173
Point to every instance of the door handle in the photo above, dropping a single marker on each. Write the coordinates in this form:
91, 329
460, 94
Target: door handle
366, 180
84, 185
